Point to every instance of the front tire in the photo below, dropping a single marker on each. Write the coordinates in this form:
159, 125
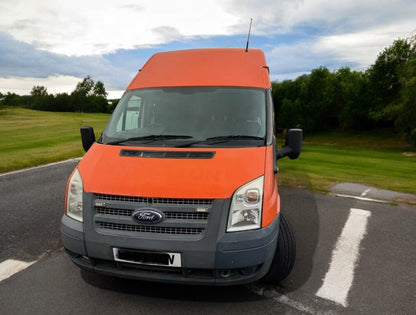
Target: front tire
284, 257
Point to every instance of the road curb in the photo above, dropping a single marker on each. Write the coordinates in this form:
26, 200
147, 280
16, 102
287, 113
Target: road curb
371, 194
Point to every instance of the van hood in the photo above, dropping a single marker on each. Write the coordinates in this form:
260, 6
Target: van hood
170, 172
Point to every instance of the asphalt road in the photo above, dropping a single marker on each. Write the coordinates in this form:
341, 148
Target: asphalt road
377, 275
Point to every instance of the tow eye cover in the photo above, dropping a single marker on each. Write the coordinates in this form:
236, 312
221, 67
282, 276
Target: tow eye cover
147, 216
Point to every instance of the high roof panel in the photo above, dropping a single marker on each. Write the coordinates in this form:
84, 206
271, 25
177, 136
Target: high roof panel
204, 67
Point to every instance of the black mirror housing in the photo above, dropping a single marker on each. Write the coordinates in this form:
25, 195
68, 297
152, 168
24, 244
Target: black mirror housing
87, 137
293, 145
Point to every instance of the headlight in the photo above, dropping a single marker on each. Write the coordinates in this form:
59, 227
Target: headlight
74, 197
246, 207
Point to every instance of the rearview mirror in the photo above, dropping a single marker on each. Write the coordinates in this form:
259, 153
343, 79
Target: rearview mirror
87, 137
293, 145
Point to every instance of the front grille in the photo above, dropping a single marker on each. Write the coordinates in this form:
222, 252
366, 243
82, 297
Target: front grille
150, 200
187, 215
197, 216
182, 217
149, 229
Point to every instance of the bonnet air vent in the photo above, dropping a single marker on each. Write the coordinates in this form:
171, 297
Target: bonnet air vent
168, 154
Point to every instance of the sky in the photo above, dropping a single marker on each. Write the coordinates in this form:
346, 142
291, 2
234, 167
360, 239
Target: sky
57, 43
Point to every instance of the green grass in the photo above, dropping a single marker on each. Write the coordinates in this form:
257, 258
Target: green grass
377, 159
29, 138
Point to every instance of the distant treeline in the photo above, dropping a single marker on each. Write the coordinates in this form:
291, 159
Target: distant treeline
382, 96
88, 97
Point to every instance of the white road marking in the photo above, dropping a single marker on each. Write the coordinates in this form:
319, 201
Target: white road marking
340, 276
281, 298
10, 267
365, 192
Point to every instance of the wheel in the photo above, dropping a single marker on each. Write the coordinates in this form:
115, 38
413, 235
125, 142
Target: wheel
284, 257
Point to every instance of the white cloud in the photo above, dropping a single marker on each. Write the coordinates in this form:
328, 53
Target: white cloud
340, 16
48, 38
18, 59
95, 27
362, 47
81, 27
114, 94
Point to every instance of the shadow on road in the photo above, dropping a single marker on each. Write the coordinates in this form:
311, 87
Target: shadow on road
171, 291
300, 207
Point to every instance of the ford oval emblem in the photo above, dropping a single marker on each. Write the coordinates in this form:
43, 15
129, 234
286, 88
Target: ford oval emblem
147, 216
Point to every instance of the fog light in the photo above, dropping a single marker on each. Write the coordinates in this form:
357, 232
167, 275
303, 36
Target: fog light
248, 270
225, 273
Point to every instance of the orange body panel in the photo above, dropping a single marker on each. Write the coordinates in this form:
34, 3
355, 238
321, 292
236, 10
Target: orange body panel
271, 198
204, 67
104, 171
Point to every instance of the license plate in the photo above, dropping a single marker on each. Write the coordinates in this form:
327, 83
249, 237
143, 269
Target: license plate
147, 258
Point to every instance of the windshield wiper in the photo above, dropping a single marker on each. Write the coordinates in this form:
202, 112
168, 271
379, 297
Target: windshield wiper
220, 139
232, 137
150, 138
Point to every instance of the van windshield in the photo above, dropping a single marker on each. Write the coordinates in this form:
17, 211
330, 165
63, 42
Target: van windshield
189, 116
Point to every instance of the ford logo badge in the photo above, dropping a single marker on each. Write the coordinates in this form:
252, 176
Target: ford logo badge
147, 216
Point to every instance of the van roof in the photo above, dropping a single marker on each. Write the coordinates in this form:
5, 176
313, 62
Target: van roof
204, 67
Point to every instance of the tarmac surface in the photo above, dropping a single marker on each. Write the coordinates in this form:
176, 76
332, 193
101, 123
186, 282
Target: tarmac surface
355, 255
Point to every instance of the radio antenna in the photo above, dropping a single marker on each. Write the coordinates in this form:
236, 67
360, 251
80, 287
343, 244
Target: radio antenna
248, 37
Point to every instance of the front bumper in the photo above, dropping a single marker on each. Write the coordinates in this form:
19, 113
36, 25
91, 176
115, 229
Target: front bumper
218, 259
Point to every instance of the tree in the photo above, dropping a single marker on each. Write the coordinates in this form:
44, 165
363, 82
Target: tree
384, 79
38, 91
351, 98
12, 99
406, 110
89, 96
84, 88
63, 103
290, 114
320, 111
99, 89
39, 98
289, 99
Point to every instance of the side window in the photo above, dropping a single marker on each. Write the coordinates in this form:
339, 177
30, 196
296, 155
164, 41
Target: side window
130, 119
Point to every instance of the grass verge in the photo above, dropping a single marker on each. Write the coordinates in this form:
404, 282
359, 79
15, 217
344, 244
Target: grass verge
377, 159
30, 138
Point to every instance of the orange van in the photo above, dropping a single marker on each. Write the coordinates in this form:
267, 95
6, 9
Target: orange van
181, 186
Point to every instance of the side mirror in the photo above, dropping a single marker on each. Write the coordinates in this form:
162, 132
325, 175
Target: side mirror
293, 145
87, 137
